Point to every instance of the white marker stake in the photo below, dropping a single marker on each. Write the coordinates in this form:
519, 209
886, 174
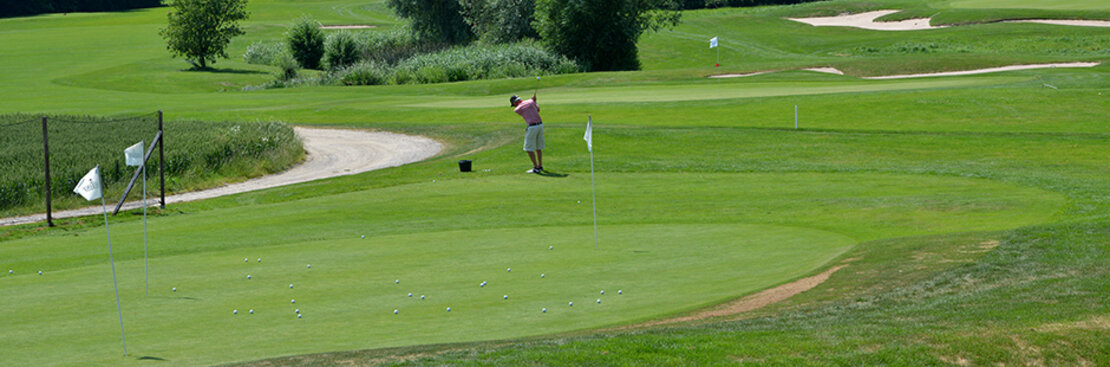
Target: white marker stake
593, 181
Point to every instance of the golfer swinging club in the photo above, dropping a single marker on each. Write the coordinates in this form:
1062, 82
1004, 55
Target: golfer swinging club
533, 138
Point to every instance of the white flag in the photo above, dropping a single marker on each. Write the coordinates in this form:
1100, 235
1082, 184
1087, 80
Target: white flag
713, 42
89, 186
134, 154
589, 135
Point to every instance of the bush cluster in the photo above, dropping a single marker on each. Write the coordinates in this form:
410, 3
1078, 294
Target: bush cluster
474, 62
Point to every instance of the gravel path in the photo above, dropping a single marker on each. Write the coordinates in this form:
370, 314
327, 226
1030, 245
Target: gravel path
330, 153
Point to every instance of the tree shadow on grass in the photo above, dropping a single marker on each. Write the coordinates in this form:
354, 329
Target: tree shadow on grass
223, 71
151, 358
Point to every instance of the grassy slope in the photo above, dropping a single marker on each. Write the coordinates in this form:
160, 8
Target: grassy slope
930, 160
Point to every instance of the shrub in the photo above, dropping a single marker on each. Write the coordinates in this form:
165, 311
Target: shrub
263, 53
365, 73
482, 62
436, 21
287, 66
340, 50
306, 42
391, 47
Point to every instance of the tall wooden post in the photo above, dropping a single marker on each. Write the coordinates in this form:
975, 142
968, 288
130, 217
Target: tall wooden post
162, 159
46, 159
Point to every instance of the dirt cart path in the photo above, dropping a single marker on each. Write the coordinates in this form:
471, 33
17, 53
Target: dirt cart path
330, 153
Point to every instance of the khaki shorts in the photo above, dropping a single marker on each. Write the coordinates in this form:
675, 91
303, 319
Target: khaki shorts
533, 138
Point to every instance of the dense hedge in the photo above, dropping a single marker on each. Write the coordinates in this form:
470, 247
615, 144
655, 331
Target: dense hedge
17, 8
699, 4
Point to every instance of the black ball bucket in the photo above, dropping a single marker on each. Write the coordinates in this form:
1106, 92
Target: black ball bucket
464, 165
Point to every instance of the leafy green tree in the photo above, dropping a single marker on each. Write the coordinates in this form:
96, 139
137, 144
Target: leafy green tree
500, 21
340, 50
200, 30
602, 34
437, 21
306, 42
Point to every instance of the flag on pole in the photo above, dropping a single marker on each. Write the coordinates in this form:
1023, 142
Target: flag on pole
89, 186
134, 154
589, 135
713, 42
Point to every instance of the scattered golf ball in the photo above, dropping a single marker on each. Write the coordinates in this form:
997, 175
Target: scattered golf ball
509, 270
297, 311
482, 285
398, 281
290, 286
260, 259
251, 311
421, 297
550, 247
410, 294
11, 271
394, 312
175, 289
599, 300
580, 201
40, 272
544, 309
292, 301
298, 316
602, 292
309, 266
246, 260
543, 275
618, 291
448, 309
571, 304
506, 296
248, 276
234, 312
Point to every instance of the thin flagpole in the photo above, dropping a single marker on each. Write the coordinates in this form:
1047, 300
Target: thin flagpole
146, 262
114, 282
593, 183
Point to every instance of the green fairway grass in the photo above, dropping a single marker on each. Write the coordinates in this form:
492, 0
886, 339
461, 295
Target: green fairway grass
1032, 4
970, 212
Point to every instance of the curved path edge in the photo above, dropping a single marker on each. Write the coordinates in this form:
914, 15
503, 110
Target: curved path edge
330, 153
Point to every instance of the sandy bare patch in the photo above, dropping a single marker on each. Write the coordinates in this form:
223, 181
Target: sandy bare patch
826, 70
989, 70
1095, 323
348, 26
867, 21
751, 302
331, 153
1077, 23
740, 75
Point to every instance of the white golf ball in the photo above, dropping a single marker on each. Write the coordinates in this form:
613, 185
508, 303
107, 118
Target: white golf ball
599, 300
544, 309
506, 296
11, 271
248, 276
40, 272
398, 281
175, 289
537, 78
235, 312
421, 297
448, 309
550, 247
297, 311
260, 259
251, 311
290, 286
602, 292
410, 294
543, 275
246, 260
509, 269
580, 201
571, 304
308, 266
298, 316
394, 312
619, 291
292, 301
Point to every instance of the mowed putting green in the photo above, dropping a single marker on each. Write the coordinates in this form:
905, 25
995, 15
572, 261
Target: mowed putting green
668, 251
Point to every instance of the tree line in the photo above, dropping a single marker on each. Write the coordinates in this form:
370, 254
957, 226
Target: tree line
18, 8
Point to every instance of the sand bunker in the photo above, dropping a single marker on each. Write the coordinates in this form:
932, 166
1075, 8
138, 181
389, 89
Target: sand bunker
989, 70
350, 26
1077, 23
867, 21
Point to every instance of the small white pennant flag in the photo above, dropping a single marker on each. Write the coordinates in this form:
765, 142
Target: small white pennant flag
713, 42
134, 154
589, 134
89, 186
